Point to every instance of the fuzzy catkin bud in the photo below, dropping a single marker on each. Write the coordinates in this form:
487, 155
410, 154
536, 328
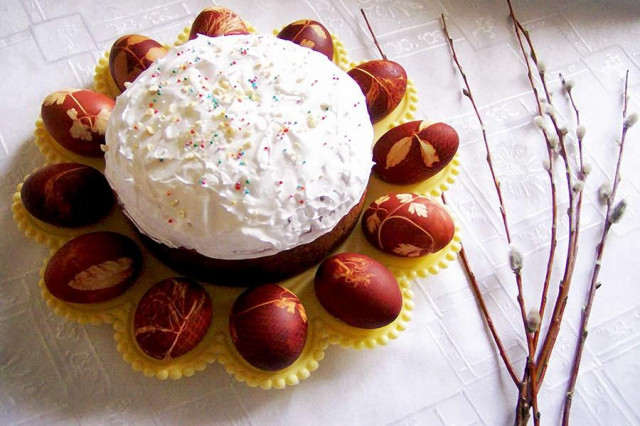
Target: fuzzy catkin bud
604, 193
554, 141
586, 169
618, 211
578, 186
533, 321
538, 120
515, 259
568, 84
580, 132
542, 67
546, 164
631, 119
549, 110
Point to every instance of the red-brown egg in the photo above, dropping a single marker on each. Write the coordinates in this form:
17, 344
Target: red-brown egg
130, 55
93, 268
217, 21
268, 327
358, 290
67, 194
407, 225
172, 317
311, 34
383, 83
77, 119
415, 151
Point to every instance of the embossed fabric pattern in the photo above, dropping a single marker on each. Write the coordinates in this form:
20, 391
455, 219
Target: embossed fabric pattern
444, 369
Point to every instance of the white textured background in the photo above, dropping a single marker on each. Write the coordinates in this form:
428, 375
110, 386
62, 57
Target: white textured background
443, 369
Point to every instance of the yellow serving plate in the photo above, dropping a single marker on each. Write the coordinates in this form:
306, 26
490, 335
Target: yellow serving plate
216, 345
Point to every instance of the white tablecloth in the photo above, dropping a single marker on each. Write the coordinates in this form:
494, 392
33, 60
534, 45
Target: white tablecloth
443, 369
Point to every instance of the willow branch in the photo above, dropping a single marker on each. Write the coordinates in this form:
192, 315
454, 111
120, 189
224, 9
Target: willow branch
475, 288
503, 211
593, 286
579, 130
573, 213
553, 240
375, 39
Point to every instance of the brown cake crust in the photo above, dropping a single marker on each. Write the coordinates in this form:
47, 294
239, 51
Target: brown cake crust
256, 271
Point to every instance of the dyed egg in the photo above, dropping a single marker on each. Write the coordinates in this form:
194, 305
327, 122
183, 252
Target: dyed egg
414, 151
217, 21
407, 225
358, 290
268, 327
77, 119
383, 84
311, 34
93, 268
171, 318
67, 195
130, 55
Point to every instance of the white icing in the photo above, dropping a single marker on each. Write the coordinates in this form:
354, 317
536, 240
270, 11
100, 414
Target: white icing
239, 146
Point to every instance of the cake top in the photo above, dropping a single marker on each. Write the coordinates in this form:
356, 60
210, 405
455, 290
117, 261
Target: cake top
239, 146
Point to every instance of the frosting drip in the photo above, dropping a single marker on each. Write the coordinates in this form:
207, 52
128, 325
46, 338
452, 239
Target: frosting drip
239, 146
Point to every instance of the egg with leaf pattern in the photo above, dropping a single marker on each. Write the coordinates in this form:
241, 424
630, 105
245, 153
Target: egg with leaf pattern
217, 21
383, 83
172, 317
77, 119
67, 194
130, 55
407, 225
311, 34
268, 327
415, 151
358, 290
93, 267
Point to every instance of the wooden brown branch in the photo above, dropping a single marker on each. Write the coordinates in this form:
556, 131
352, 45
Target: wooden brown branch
475, 288
597, 266
375, 39
503, 212
579, 136
553, 240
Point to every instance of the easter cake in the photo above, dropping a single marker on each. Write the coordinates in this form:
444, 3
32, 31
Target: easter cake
241, 160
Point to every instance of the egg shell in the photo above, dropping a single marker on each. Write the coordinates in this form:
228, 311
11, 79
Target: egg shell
130, 55
77, 119
358, 290
383, 83
407, 225
311, 34
415, 151
67, 195
172, 317
268, 327
93, 268
217, 21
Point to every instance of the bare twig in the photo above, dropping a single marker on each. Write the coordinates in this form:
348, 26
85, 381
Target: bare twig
550, 155
555, 138
608, 222
375, 40
573, 212
579, 129
475, 288
503, 212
